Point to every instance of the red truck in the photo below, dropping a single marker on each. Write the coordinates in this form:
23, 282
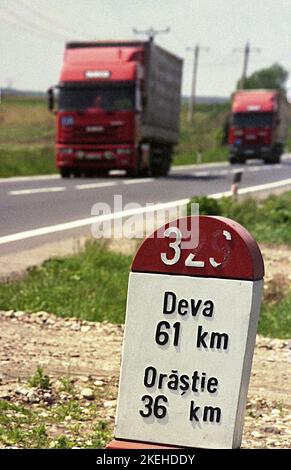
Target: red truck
257, 126
117, 106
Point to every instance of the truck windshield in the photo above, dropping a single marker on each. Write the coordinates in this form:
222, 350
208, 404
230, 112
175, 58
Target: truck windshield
255, 119
102, 97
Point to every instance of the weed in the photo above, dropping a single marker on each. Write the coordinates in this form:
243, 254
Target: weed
40, 380
67, 385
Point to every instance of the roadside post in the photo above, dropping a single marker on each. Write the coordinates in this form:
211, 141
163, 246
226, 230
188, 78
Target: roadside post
237, 177
191, 322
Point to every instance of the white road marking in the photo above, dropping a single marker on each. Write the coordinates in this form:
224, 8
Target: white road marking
202, 173
256, 168
119, 215
139, 180
53, 189
269, 167
231, 171
106, 184
251, 189
88, 221
16, 179
198, 165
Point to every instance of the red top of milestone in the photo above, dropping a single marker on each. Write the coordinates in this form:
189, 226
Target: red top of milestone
225, 250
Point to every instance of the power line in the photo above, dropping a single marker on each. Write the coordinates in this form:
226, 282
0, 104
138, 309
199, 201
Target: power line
31, 24
29, 30
191, 104
246, 51
51, 21
151, 32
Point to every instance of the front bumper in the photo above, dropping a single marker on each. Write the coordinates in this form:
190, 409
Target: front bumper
90, 156
254, 151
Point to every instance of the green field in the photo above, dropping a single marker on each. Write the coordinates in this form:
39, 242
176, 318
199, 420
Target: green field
83, 285
27, 136
202, 136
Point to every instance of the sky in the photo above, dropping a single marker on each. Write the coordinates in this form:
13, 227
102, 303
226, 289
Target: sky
33, 34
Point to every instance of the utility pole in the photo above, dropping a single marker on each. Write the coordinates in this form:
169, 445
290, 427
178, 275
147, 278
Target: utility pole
192, 98
151, 32
246, 51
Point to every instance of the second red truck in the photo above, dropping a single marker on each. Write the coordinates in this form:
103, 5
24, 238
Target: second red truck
257, 126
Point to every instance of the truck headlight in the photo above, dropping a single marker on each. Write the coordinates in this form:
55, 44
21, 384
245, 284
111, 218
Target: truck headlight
66, 151
108, 154
123, 151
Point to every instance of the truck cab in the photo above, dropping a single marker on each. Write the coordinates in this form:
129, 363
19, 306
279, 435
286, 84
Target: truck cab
258, 126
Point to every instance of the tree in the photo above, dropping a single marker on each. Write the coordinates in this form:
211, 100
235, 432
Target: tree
274, 77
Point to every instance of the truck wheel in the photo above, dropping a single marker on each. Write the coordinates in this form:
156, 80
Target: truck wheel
232, 160
132, 172
65, 173
278, 159
275, 159
161, 168
137, 172
276, 154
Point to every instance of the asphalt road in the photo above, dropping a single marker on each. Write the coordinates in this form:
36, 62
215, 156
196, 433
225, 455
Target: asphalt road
33, 203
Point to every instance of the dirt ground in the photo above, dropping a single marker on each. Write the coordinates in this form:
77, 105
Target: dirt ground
89, 354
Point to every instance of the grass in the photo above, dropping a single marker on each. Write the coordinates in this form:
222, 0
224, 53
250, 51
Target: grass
67, 385
39, 379
216, 154
26, 160
268, 221
25, 121
202, 136
91, 285
18, 427
68, 422
26, 137
275, 320
72, 408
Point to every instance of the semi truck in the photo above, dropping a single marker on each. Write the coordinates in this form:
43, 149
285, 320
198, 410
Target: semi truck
257, 125
117, 106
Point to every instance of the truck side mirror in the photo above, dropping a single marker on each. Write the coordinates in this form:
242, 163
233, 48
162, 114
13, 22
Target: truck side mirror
51, 99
